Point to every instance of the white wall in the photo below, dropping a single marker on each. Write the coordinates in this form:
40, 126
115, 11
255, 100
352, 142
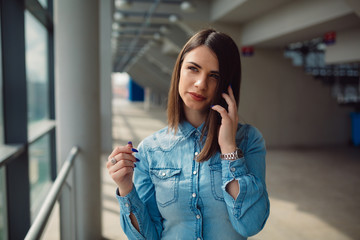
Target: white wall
346, 48
289, 107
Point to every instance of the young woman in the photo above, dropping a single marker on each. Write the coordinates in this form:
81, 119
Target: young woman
203, 176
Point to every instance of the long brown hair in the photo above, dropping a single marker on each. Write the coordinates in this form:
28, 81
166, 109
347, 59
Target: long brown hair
230, 74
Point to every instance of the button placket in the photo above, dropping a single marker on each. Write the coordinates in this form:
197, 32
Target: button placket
195, 176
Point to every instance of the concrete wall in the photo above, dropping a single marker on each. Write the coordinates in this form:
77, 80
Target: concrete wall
346, 48
289, 107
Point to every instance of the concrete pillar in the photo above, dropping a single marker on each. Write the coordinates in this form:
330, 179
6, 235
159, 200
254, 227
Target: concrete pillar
105, 73
76, 26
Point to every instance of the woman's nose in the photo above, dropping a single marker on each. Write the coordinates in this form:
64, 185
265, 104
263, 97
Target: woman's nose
201, 82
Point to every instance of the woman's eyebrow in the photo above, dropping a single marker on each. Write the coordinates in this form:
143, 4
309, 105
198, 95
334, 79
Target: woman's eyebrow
197, 65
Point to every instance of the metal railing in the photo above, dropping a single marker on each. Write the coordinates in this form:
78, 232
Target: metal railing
41, 219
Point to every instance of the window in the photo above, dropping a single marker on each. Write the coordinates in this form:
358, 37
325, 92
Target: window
37, 75
36, 69
3, 213
1, 100
39, 172
43, 3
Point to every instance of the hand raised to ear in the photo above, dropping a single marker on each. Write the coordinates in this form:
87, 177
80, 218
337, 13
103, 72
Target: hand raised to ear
229, 123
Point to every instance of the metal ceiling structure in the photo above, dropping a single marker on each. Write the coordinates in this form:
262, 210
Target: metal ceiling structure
140, 23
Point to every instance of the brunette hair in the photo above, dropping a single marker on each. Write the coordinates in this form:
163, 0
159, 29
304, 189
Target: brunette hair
228, 57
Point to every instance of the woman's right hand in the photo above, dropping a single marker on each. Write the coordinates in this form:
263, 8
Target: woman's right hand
123, 170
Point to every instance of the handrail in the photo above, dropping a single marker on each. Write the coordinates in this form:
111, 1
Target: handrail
41, 219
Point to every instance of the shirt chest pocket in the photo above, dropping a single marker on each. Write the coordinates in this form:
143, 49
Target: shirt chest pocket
166, 181
216, 181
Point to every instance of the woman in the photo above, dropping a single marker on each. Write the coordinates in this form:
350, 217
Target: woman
203, 176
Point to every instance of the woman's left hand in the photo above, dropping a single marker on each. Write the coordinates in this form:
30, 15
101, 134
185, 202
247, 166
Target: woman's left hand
229, 123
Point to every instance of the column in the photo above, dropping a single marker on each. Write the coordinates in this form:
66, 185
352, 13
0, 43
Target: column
77, 72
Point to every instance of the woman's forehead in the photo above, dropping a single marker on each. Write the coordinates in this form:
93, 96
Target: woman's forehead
203, 56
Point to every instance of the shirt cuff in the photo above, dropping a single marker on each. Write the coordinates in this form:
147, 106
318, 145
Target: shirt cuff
129, 203
233, 169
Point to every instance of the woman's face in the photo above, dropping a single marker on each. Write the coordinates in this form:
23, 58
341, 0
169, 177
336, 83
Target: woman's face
199, 75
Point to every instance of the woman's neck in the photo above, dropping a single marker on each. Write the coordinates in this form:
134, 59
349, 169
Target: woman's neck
195, 118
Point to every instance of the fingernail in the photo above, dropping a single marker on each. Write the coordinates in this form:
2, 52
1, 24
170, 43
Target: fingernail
138, 160
129, 142
134, 150
134, 165
212, 106
230, 86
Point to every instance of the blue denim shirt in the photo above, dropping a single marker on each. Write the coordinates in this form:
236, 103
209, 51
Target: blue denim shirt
176, 197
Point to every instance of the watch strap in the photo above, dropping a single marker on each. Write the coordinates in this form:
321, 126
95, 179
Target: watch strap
233, 155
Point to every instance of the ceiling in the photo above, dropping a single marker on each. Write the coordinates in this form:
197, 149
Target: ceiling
147, 35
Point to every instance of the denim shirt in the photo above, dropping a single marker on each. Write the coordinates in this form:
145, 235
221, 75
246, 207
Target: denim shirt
176, 197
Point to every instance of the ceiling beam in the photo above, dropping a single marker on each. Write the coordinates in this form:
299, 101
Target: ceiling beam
293, 17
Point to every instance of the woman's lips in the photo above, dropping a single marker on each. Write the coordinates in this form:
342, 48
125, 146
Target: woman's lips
197, 97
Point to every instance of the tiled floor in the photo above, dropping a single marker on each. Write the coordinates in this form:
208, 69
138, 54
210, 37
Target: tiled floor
314, 193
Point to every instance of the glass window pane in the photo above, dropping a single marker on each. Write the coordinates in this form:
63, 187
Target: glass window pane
3, 213
43, 3
39, 172
1, 98
36, 69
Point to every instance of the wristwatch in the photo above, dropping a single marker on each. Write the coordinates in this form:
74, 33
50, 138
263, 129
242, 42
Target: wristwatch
232, 156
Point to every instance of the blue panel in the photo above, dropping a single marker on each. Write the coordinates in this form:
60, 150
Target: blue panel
136, 92
355, 122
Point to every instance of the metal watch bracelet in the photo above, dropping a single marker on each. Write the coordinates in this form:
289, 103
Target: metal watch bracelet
233, 155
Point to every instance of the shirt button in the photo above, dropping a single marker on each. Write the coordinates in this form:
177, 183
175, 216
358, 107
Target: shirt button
163, 174
196, 153
194, 195
198, 239
194, 172
198, 216
232, 169
126, 205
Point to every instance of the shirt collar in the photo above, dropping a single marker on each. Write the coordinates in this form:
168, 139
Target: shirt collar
187, 129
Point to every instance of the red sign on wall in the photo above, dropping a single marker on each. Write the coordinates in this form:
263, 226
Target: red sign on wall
330, 38
247, 51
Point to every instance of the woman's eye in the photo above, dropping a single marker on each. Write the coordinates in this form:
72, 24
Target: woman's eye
193, 68
215, 76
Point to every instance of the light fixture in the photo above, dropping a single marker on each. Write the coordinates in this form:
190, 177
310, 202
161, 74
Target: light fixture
157, 36
115, 34
187, 6
119, 16
164, 29
115, 26
122, 4
173, 18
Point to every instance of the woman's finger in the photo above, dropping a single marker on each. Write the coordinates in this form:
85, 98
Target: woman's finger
222, 111
231, 94
120, 157
120, 149
232, 108
121, 164
126, 149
